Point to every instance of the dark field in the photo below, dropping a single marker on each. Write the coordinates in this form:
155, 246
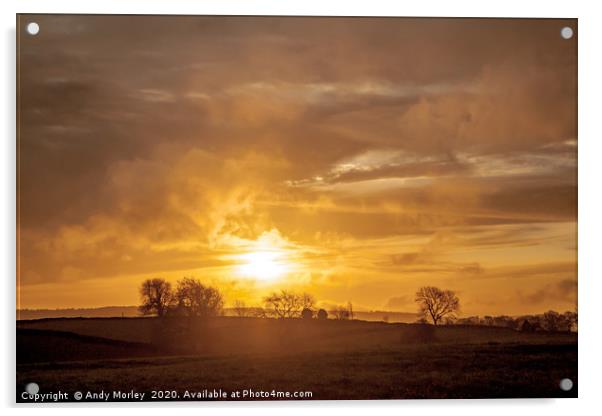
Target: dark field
330, 359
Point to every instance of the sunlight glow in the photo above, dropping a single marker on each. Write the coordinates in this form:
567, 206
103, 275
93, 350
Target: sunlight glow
262, 265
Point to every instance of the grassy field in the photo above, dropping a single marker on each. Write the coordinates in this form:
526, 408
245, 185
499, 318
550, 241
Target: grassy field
330, 359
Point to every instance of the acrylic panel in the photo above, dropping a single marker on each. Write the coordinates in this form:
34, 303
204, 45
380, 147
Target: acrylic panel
295, 208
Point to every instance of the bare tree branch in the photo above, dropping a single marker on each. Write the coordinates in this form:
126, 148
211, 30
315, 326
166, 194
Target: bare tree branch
435, 303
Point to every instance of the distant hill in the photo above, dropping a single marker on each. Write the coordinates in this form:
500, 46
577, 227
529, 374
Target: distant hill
131, 311
404, 317
104, 312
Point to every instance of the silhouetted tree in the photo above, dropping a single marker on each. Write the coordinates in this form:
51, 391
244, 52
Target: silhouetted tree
570, 320
197, 299
526, 326
322, 314
307, 301
285, 304
175, 309
552, 321
341, 313
435, 303
504, 321
307, 313
156, 296
240, 309
350, 310
258, 313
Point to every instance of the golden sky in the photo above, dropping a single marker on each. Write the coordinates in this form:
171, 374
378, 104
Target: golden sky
356, 159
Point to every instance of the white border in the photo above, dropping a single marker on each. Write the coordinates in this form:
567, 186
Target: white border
590, 199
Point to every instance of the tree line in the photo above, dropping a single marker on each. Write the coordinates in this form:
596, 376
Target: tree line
441, 306
190, 297
550, 321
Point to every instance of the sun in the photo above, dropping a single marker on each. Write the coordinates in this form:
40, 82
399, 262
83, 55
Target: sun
262, 265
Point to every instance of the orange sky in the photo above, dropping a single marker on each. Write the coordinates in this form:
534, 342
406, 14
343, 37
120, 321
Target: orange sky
356, 159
